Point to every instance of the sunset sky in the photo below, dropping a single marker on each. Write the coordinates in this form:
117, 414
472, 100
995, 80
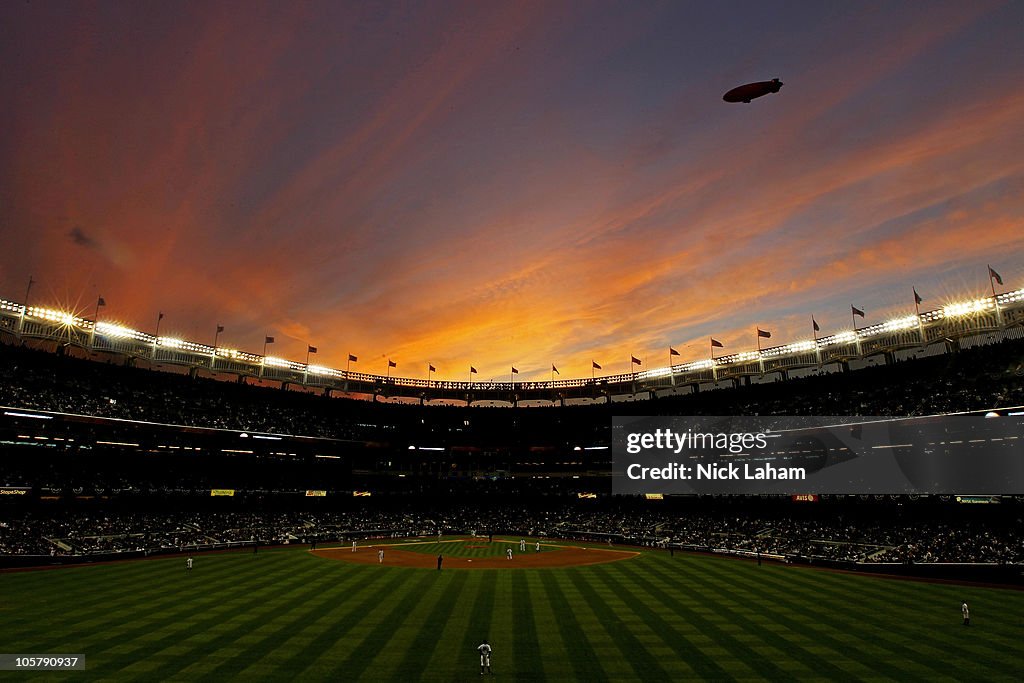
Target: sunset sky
507, 183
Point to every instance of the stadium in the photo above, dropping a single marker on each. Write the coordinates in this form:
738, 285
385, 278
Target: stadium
513, 340
123, 457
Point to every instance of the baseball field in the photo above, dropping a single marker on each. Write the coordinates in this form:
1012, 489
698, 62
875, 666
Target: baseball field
290, 614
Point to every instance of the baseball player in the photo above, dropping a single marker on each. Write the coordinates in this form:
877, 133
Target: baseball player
380, 556
508, 553
485, 656
353, 546
188, 567
522, 545
966, 612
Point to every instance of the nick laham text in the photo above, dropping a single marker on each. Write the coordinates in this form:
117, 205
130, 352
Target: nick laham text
680, 471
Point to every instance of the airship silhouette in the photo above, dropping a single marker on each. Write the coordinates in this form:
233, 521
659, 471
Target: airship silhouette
745, 93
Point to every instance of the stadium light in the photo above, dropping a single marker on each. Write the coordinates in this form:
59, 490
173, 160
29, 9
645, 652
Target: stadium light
967, 307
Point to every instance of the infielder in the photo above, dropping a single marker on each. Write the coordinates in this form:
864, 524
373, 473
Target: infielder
522, 545
508, 553
353, 546
485, 655
380, 556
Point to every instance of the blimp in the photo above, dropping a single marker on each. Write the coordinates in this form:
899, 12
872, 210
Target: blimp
750, 91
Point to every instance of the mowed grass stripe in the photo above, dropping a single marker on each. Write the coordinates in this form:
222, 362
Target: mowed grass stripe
98, 623
585, 659
925, 619
426, 630
44, 606
879, 619
527, 647
389, 615
780, 641
708, 632
829, 603
649, 606
609, 609
181, 604
937, 607
265, 632
172, 645
456, 657
338, 613
554, 660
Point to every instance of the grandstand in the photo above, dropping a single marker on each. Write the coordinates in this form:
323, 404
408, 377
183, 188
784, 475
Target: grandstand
957, 325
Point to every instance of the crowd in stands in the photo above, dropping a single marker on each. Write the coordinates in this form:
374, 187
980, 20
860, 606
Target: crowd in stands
977, 379
772, 534
982, 379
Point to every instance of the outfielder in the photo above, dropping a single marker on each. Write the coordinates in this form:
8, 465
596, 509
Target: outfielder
485, 657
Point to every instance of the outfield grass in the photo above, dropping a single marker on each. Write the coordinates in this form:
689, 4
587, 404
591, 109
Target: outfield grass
287, 615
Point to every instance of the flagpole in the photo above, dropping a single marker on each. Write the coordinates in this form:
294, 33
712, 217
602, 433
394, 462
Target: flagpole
992, 276
213, 352
95, 321
757, 332
156, 337
24, 306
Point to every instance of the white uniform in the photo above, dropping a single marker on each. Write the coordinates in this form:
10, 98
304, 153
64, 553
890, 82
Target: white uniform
537, 550
522, 545
485, 656
966, 612
188, 564
380, 556
353, 546
508, 553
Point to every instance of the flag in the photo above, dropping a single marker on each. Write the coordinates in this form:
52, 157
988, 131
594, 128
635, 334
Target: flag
101, 302
857, 311
596, 366
636, 361
715, 343
268, 340
514, 371
815, 323
993, 275
352, 359
917, 297
311, 349
554, 369
220, 328
472, 370
431, 368
763, 333
161, 316
672, 352
392, 364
